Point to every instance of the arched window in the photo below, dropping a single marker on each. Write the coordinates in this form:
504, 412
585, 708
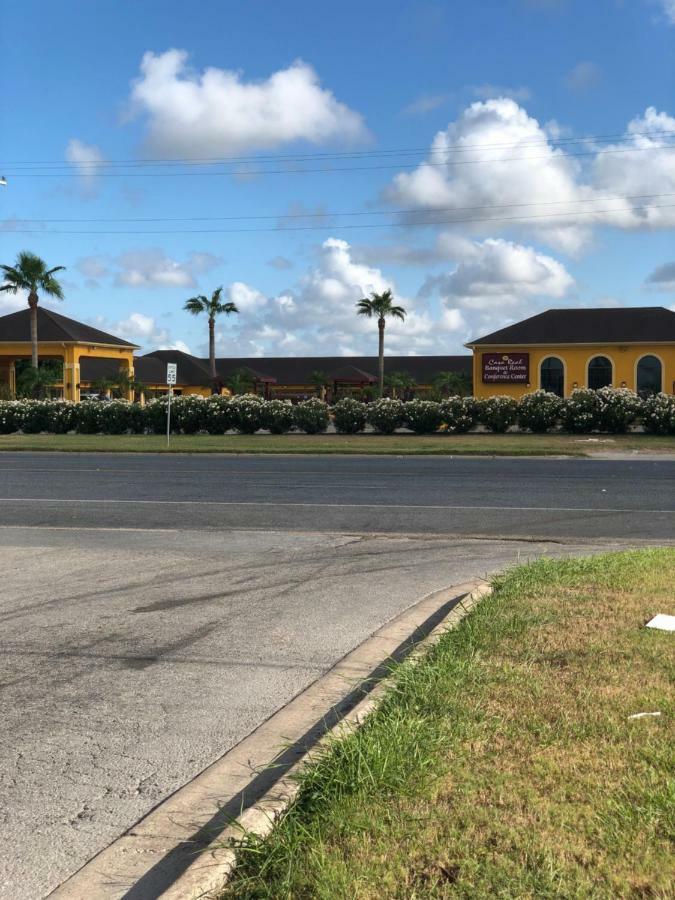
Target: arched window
599, 372
552, 376
649, 375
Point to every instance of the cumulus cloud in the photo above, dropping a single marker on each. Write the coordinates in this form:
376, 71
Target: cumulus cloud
145, 331
496, 273
491, 281
88, 160
217, 112
500, 163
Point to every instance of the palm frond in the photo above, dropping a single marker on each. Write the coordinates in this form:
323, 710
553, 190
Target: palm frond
196, 305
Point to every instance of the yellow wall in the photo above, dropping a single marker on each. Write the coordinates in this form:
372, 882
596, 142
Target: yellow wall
71, 354
575, 359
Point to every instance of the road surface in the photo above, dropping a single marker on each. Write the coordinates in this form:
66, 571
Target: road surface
155, 609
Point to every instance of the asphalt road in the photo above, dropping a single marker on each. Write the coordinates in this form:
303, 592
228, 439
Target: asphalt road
549, 498
154, 610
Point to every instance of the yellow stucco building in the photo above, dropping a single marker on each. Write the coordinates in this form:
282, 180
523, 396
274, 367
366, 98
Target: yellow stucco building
64, 340
563, 349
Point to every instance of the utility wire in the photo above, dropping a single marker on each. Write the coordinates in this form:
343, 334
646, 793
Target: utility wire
350, 154
554, 217
331, 170
328, 215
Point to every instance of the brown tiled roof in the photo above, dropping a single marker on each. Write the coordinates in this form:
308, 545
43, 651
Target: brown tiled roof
54, 327
296, 369
299, 369
351, 374
630, 325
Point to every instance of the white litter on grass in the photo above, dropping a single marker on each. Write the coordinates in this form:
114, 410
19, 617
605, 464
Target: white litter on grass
662, 622
643, 715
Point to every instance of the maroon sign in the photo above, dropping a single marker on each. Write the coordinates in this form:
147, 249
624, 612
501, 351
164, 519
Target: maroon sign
506, 368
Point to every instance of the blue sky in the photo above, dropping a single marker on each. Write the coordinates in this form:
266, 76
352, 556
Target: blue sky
553, 118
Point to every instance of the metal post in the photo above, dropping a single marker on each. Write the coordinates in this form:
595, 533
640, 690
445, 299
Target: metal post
168, 418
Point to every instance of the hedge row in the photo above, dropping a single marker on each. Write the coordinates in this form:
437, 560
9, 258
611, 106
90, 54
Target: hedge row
609, 410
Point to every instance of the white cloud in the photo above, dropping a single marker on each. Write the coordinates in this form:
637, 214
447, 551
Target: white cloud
144, 330
498, 162
151, 267
496, 273
216, 112
508, 161
88, 160
317, 316
583, 76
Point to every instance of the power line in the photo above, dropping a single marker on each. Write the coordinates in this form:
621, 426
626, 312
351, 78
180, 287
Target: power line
554, 217
328, 215
332, 169
456, 148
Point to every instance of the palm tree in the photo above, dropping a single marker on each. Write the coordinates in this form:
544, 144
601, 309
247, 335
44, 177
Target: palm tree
212, 308
319, 379
30, 273
453, 383
240, 382
380, 305
399, 381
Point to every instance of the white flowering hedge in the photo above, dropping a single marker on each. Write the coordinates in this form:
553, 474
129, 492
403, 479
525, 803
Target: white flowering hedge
385, 415
539, 411
349, 416
606, 410
498, 413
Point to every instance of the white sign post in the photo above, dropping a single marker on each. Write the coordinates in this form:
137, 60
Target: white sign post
171, 376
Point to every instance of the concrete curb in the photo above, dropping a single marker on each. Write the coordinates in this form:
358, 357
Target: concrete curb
179, 850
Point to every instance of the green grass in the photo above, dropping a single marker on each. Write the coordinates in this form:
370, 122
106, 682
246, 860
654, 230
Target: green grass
503, 764
468, 444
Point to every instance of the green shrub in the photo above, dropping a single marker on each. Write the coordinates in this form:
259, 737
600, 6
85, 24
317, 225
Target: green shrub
349, 416
11, 416
155, 416
311, 416
62, 416
116, 416
218, 417
189, 413
539, 411
248, 413
619, 408
36, 416
498, 413
422, 416
581, 411
385, 415
89, 417
458, 415
658, 414
278, 416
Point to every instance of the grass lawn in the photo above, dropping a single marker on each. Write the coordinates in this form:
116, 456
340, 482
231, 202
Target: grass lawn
504, 763
466, 444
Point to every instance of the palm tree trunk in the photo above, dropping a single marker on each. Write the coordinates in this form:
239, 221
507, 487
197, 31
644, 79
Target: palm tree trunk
33, 304
212, 349
380, 326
